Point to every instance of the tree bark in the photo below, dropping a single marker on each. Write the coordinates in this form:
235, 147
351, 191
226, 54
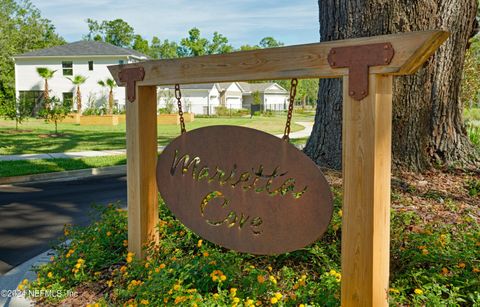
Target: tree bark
79, 100
427, 114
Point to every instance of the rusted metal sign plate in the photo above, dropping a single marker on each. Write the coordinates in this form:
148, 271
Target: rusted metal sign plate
244, 189
358, 59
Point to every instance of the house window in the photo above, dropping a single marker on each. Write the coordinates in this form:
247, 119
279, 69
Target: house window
67, 67
68, 99
90, 65
121, 62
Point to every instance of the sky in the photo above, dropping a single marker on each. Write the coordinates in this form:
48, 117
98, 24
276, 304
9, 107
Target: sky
242, 22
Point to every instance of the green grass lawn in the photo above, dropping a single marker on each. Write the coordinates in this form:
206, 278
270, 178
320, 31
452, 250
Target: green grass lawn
39, 166
34, 136
29, 167
34, 139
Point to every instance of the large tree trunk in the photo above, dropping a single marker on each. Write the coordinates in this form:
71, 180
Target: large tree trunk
427, 113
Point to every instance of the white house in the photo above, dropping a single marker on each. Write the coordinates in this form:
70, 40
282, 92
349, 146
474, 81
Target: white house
271, 95
231, 95
205, 98
87, 58
196, 98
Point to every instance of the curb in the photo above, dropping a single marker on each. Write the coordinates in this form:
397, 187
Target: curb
67, 175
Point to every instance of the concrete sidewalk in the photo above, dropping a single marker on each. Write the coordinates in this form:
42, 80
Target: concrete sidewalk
104, 153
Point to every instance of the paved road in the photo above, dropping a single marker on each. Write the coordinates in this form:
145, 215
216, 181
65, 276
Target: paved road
33, 215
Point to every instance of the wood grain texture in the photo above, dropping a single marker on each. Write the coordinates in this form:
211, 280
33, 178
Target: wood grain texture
142, 192
301, 61
366, 173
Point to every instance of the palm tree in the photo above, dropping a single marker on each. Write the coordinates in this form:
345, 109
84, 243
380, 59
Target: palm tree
46, 74
110, 83
77, 81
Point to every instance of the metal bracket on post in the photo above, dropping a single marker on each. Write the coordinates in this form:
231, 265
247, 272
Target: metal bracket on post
130, 76
358, 59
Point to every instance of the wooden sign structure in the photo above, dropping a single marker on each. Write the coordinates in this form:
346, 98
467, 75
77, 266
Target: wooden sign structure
367, 128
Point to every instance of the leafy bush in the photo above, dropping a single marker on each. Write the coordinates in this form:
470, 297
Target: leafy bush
435, 265
224, 111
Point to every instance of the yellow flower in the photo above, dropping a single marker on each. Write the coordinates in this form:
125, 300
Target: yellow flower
25, 281
157, 270
144, 302
461, 265
476, 270
260, 279
233, 292
123, 269
109, 233
162, 266
223, 278
20, 287
109, 283
444, 271
216, 295
340, 213
125, 243
205, 254
147, 265
214, 278
249, 302
272, 279
81, 261
418, 291
50, 275
278, 295
176, 287
393, 290
301, 305
273, 300
199, 244
129, 259
258, 303
269, 268
78, 265
236, 300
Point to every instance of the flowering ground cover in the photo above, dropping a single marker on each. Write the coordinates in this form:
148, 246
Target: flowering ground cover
435, 248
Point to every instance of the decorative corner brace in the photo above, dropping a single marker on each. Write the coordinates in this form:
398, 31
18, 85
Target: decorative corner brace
358, 59
130, 76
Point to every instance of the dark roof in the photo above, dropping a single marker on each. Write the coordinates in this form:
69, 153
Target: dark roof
260, 87
204, 86
83, 48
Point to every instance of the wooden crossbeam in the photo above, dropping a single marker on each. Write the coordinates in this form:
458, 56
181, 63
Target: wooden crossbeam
301, 61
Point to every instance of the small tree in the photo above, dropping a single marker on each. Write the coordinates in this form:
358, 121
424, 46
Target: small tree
77, 81
17, 110
46, 75
110, 83
55, 113
256, 97
167, 96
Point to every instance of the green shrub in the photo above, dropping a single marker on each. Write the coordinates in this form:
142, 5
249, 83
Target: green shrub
435, 266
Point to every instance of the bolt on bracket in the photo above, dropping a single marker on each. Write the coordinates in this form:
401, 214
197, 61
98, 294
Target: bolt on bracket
359, 59
130, 76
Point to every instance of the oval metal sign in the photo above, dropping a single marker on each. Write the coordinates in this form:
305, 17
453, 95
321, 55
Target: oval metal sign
244, 189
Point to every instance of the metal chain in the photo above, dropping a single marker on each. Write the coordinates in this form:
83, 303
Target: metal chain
178, 96
293, 93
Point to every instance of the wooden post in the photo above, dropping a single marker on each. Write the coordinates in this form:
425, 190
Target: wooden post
367, 129
141, 169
